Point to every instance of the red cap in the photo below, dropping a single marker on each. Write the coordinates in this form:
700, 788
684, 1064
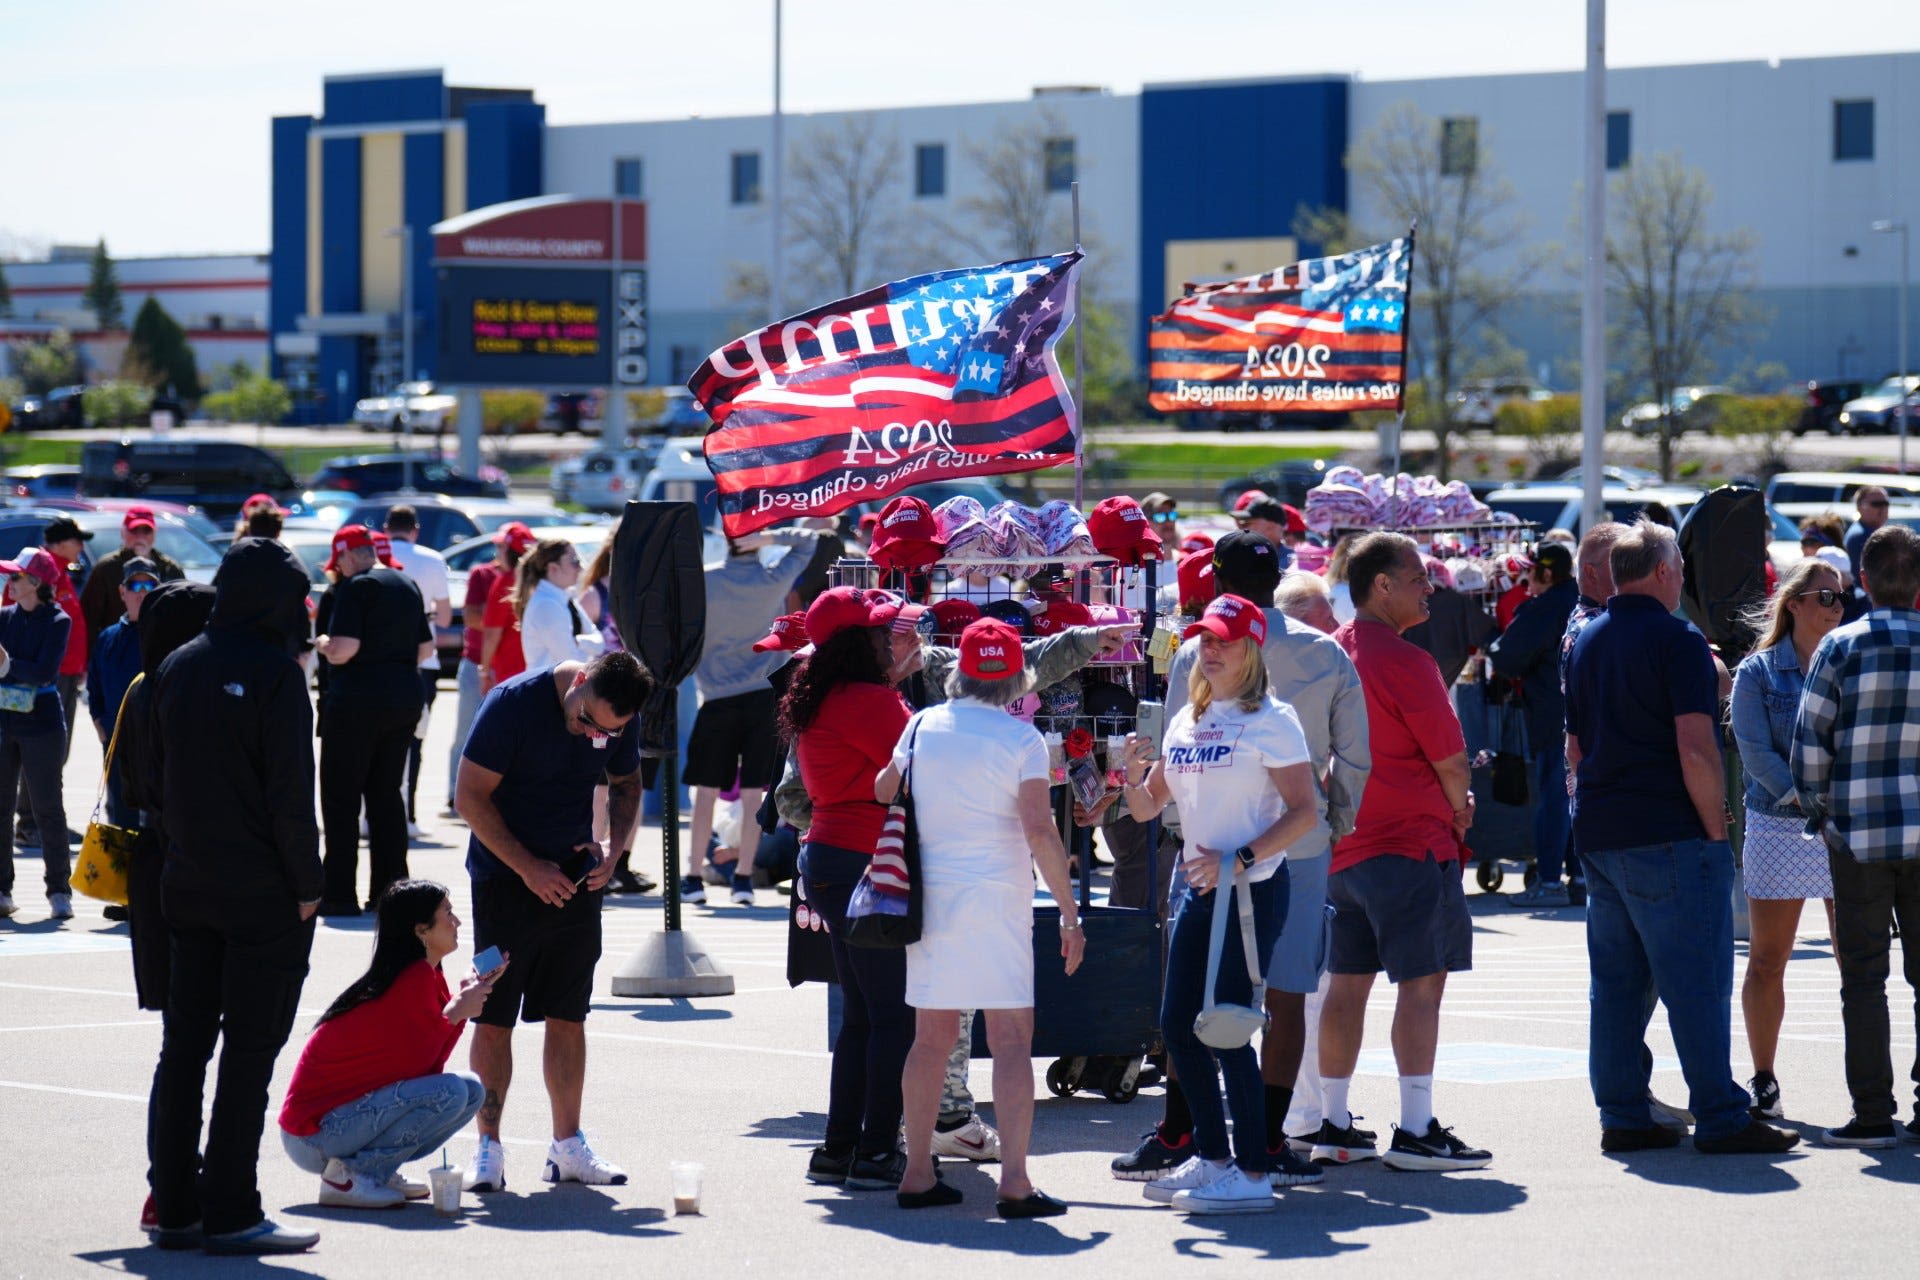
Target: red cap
990, 650
1121, 529
383, 549
907, 537
35, 562
789, 632
516, 537
1195, 579
950, 617
1196, 542
1058, 616
1296, 523
837, 608
261, 502
348, 538
1247, 499
138, 518
1231, 618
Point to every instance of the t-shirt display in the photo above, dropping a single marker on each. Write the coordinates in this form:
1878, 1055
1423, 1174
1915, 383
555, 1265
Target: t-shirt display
1216, 767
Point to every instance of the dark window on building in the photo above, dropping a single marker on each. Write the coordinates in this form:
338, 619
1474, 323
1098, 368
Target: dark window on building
628, 178
930, 169
1459, 145
685, 360
1619, 139
1057, 161
746, 177
1853, 130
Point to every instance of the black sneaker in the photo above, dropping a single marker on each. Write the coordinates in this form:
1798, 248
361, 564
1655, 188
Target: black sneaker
1436, 1150
1864, 1136
1766, 1096
1910, 1131
1755, 1140
692, 890
1655, 1137
877, 1173
1335, 1145
829, 1168
1285, 1169
1576, 893
1153, 1158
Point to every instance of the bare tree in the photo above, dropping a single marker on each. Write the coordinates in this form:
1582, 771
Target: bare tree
1419, 170
1679, 289
1015, 212
842, 215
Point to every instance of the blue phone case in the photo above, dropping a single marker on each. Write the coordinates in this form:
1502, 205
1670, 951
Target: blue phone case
487, 961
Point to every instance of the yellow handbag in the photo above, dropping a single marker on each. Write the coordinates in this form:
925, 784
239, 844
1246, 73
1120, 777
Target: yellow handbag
107, 851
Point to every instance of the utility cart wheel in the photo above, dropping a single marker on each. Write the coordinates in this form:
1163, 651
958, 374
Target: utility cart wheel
1489, 875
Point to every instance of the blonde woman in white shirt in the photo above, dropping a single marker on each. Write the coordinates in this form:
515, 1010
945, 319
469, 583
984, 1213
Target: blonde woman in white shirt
552, 628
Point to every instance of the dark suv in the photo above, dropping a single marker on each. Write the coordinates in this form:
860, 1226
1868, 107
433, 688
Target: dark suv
384, 473
1823, 402
216, 475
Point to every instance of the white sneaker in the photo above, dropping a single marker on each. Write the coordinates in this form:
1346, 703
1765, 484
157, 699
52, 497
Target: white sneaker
574, 1161
6, 904
1236, 1191
60, 905
1195, 1173
416, 832
409, 1188
342, 1188
975, 1140
489, 1167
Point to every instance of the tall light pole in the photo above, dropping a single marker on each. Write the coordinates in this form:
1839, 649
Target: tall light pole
405, 233
1593, 275
1906, 393
776, 274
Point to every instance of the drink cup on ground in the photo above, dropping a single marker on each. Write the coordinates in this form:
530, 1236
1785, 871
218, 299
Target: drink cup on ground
446, 1188
686, 1186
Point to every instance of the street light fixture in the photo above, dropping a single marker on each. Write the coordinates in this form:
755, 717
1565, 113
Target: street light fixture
1890, 225
405, 234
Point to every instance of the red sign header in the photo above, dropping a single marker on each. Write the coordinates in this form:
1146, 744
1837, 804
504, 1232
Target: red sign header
546, 229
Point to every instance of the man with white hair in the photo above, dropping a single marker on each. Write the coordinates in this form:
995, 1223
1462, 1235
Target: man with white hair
1303, 597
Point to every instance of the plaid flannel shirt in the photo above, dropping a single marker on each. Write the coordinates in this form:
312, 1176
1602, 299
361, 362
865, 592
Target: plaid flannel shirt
1856, 750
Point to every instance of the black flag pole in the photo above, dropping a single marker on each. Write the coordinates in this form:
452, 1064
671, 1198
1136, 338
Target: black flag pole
1406, 342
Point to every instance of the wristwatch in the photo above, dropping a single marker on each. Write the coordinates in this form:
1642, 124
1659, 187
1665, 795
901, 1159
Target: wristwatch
1245, 855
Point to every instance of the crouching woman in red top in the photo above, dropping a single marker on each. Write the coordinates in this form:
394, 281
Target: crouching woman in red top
372, 1091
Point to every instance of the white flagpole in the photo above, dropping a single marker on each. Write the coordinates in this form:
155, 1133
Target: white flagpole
1079, 372
1593, 284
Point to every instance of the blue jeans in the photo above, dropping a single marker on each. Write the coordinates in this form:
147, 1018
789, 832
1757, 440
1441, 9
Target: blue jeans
1197, 1065
1660, 926
373, 1136
468, 683
1552, 817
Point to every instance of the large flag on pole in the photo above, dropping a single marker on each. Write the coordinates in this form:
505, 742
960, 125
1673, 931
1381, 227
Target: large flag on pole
1324, 334
934, 377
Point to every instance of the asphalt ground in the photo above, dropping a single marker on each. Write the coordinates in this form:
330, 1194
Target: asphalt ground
739, 1084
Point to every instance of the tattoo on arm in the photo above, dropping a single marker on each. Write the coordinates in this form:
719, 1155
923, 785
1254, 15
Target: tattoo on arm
623, 809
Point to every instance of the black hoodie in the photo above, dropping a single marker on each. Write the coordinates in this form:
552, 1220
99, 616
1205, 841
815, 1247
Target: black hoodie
233, 732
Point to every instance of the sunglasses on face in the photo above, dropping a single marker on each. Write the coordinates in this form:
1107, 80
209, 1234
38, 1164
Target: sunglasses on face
1874, 502
1827, 597
1165, 517
140, 587
593, 726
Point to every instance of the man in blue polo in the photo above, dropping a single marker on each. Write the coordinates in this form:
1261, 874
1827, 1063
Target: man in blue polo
1650, 823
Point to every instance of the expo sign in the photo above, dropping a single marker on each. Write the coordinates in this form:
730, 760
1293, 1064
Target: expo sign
630, 327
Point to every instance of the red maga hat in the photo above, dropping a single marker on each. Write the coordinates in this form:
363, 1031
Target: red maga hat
990, 650
1231, 618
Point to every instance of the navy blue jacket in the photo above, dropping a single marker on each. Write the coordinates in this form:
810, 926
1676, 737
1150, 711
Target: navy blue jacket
110, 669
1529, 651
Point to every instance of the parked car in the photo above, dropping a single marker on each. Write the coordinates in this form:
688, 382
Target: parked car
22, 527
1878, 412
50, 481
572, 411
386, 473
191, 516
216, 475
602, 479
681, 415
313, 547
1693, 409
1558, 506
1823, 401
464, 555
415, 403
1630, 477
1834, 489
172, 534
445, 521
328, 507
1288, 481
1475, 404
61, 409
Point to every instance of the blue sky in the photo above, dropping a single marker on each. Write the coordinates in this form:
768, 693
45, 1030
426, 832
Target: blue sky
147, 123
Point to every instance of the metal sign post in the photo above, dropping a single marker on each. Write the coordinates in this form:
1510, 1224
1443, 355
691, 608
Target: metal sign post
1079, 373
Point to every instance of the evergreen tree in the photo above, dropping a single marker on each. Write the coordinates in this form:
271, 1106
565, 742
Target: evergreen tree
6, 292
103, 290
158, 353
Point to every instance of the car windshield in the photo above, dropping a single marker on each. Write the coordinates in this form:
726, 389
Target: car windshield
1540, 511
494, 521
1891, 389
173, 538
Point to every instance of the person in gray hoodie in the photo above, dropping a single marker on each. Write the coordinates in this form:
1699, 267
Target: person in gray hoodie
734, 735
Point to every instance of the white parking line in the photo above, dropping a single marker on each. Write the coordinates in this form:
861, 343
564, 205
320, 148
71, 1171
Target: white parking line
85, 1026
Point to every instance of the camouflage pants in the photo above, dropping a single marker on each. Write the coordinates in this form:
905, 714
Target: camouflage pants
956, 1100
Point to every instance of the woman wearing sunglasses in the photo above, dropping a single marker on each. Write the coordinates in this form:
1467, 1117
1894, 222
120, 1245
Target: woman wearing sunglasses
1783, 866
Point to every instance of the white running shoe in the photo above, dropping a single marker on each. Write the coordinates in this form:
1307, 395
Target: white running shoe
489, 1166
342, 1188
409, 1188
416, 832
975, 1140
61, 905
1236, 1191
1191, 1176
574, 1161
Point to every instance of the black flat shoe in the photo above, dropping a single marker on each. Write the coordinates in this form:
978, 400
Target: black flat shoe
932, 1198
1036, 1204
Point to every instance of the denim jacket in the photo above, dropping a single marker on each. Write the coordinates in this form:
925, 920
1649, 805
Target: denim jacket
1766, 700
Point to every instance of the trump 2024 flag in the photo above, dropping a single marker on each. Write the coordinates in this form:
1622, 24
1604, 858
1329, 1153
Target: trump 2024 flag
935, 377
1324, 334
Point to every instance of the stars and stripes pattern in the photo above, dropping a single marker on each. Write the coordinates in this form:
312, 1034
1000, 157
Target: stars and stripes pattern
934, 377
1326, 333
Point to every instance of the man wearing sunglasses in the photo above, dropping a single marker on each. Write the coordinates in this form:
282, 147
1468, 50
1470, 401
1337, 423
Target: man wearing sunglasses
540, 744
1163, 511
114, 663
1870, 507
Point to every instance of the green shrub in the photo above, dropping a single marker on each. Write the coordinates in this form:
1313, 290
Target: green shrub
261, 400
116, 404
510, 412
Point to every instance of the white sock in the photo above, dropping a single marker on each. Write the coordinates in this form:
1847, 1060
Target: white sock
1333, 1101
1416, 1104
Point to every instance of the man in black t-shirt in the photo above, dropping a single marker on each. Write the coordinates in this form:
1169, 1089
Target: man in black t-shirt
377, 638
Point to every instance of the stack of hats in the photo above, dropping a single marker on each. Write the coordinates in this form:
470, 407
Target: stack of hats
908, 537
1120, 529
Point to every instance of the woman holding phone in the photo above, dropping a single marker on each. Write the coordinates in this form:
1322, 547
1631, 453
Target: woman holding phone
371, 1091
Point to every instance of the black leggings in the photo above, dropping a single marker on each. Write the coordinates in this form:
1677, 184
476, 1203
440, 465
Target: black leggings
863, 1107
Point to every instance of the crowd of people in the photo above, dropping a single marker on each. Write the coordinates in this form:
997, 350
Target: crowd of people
1312, 789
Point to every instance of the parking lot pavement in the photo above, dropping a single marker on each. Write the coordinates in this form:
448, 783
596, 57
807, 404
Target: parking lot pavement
739, 1084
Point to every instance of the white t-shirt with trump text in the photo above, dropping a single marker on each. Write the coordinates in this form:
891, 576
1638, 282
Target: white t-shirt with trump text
1216, 767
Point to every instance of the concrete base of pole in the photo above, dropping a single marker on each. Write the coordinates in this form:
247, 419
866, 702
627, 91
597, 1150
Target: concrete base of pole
671, 964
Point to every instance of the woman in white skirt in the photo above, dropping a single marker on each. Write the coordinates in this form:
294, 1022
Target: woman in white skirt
1783, 865
985, 818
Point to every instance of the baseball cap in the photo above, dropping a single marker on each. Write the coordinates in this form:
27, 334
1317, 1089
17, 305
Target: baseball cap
1296, 522
1058, 616
1011, 612
62, 528
1194, 579
789, 632
348, 538
951, 617
990, 650
837, 608
1231, 618
35, 562
1555, 557
1156, 500
1264, 508
383, 549
138, 518
907, 537
1196, 542
1120, 529
1245, 500
138, 567
515, 536
1838, 559
261, 502
1248, 558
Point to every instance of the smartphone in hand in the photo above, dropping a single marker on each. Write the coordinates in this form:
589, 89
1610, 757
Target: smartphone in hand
487, 961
